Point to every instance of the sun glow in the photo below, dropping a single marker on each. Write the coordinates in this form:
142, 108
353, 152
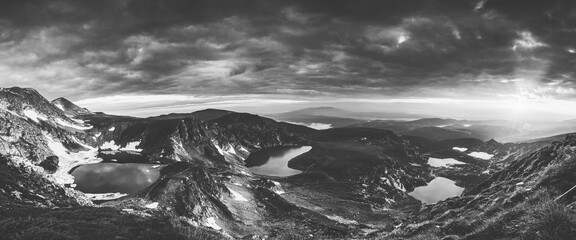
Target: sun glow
519, 111
518, 106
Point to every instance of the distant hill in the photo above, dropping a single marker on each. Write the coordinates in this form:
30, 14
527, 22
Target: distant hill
337, 117
444, 128
440, 134
202, 115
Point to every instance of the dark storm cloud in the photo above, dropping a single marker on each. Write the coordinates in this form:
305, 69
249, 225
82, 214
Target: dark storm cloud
290, 46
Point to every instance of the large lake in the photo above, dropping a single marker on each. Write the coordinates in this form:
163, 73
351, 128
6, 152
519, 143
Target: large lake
437, 190
115, 177
274, 161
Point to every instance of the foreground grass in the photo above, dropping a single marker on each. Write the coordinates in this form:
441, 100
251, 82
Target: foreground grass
94, 223
544, 219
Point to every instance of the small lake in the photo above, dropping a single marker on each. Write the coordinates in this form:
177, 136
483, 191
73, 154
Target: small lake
438, 189
274, 161
115, 177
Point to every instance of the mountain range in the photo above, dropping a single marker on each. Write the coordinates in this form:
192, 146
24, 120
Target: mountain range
357, 181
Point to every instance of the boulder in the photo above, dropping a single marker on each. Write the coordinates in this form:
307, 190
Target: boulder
50, 164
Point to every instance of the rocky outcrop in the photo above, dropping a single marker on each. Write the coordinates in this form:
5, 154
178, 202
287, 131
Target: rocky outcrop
21, 183
50, 164
188, 190
30, 126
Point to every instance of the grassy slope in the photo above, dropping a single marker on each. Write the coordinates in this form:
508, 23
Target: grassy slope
526, 211
25, 222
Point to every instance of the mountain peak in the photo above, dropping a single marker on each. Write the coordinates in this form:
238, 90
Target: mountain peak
69, 108
24, 92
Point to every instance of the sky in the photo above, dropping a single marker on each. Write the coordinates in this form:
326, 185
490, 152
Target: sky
456, 58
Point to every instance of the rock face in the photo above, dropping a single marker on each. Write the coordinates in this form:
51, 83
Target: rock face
22, 184
223, 141
31, 126
188, 190
50, 164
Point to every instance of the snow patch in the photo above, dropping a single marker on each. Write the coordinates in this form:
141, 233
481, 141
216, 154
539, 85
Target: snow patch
341, 219
104, 196
237, 196
68, 160
277, 184
111, 129
215, 143
211, 222
110, 145
481, 155
460, 149
132, 146
244, 149
66, 124
151, 205
129, 146
79, 121
443, 162
58, 105
230, 150
399, 186
34, 116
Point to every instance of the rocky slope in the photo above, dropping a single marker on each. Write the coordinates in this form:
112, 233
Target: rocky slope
517, 202
222, 141
35, 129
206, 183
354, 181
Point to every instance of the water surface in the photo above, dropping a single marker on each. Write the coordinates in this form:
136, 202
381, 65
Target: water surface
438, 189
274, 161
115, 177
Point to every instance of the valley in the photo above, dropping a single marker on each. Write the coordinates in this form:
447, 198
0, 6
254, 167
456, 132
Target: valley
218, 174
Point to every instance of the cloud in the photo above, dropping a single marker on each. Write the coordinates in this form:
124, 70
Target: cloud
86, 49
